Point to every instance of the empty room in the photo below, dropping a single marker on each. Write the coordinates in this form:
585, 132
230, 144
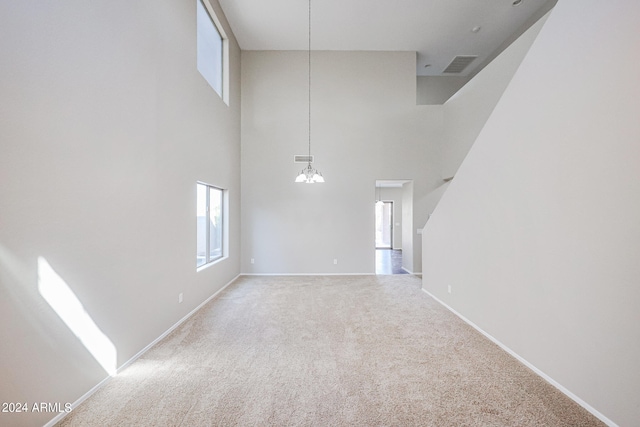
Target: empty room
319, 213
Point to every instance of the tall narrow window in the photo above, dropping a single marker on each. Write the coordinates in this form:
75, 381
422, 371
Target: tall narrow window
210, 224
210, 48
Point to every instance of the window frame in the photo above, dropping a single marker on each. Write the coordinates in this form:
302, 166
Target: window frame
206, 233
217, 26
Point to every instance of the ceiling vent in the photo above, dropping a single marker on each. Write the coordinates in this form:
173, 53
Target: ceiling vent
298, 158
458, 64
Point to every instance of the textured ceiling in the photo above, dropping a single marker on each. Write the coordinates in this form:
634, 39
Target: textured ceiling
438, 30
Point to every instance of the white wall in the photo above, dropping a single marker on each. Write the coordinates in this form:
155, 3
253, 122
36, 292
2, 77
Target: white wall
105, 126
436, 90
466, 112
538, 234
365, 126
409, 239
433, 198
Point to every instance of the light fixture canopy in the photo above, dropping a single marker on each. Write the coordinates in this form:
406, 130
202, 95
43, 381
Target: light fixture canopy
309, 175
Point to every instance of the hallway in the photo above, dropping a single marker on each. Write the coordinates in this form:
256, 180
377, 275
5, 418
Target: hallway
389, 261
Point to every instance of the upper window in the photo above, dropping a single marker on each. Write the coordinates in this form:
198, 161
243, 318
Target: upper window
211, 224
211, 45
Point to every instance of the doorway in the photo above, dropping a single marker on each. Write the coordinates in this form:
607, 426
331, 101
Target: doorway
391, 196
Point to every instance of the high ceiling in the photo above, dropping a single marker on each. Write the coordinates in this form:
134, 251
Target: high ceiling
438, 30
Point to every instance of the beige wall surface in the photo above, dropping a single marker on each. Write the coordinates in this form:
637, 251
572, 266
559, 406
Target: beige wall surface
105, 127
365, 126
409, 241
436, 90
466, 112
538, 234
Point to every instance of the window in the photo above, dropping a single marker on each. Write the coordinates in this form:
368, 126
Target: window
210, 212
211, 48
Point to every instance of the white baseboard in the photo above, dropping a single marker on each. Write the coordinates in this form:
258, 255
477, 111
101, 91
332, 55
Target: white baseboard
102, 383
522, 360
75, 404
411, 272
171, 329
307, 274
327, 274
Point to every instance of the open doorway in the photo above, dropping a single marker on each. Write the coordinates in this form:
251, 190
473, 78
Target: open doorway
388, 236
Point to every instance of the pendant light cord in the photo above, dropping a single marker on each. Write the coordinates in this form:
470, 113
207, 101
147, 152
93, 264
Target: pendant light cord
309, 57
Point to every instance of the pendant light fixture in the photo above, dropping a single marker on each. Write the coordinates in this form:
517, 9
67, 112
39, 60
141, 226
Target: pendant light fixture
309, 175
379, 201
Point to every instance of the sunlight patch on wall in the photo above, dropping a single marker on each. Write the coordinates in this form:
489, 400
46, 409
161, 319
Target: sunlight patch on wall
69, 308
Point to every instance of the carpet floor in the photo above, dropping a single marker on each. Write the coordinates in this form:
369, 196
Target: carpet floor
327, 351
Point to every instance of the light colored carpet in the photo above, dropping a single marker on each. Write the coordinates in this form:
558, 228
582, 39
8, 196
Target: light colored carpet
327, 351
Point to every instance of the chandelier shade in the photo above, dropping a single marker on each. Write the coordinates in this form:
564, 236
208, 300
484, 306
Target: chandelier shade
310, 175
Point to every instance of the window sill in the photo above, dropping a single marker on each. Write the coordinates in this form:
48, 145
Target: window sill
202, 267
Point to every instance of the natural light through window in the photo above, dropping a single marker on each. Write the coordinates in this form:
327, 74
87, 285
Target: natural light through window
210, 223
69, 308
210, 48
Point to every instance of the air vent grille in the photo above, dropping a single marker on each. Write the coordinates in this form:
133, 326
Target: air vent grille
458, 64
298, 158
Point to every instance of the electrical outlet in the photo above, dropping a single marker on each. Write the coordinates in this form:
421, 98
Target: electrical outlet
253, 261
335, 261
449, 288
180, 298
